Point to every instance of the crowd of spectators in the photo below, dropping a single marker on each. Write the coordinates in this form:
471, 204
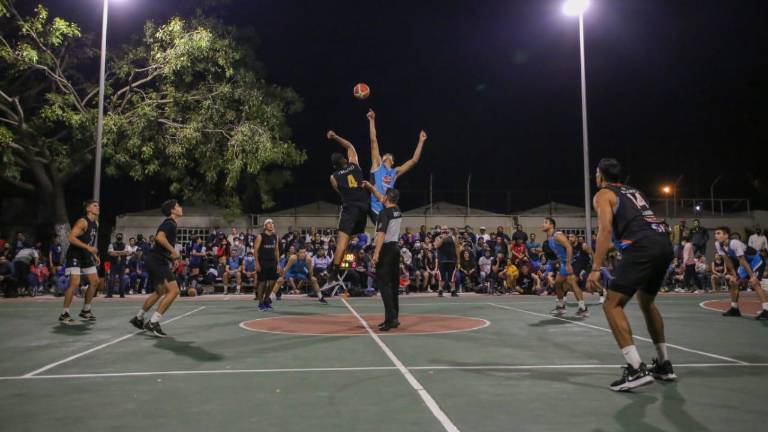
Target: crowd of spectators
492, 262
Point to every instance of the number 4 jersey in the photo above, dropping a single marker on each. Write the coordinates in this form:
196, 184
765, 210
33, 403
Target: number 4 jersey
633, 218
350, 185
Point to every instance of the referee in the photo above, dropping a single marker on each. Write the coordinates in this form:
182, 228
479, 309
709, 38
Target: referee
386, 256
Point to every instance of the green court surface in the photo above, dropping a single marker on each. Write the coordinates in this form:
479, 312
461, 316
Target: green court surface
525, 371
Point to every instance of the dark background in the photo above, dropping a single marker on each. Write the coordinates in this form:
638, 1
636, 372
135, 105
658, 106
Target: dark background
674, 88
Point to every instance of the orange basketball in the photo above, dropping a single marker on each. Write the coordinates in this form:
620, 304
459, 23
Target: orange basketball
361, 91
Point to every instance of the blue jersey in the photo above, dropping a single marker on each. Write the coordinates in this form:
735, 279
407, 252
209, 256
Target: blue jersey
383, 178
234, 263
249, 264
557, 248
299, 267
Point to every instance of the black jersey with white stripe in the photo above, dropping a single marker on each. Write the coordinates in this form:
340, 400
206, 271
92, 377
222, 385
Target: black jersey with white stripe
266, 252
89, 235
350, 185
633, 218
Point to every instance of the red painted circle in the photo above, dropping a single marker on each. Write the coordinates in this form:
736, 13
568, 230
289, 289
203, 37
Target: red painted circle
747, 307
349, 325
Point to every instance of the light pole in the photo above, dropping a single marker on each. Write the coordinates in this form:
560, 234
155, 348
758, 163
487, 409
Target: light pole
100, 123
577, 8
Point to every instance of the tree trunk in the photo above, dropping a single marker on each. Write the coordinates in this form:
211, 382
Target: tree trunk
60, 220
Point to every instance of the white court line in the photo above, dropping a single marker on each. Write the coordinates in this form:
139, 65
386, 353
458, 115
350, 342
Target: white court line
76, 356
425, 396
360, 369
704, 306
609, 331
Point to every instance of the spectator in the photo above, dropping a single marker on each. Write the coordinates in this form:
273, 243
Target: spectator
7, 281
362, 239
470, 234
533, 247
237, 249
718, 273
233, 235
18, 244
25, 259
249, 268
486, 272
519, 234
677, 237
701, 270
420, 266
518, 252
480, 248
466, 271
483, 235
405, 253
500, 246
689, 261
142, 244
527, 283
118, 257
699, 237
758, 241
320, 263
137, 273
422, 236
232, 269
54, 256
500, 232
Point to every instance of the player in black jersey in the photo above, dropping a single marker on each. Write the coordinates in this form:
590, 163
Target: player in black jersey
267, 257
160, 261
625, 217
347, 180
82, 259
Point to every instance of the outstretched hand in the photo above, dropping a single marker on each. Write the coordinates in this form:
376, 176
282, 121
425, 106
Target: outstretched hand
330, 135
422, 135
367, 185
371, 115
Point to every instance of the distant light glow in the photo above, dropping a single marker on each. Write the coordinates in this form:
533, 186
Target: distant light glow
575, 7
666, 189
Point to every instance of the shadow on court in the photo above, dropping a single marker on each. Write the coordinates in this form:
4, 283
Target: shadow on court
555, 322
81, 329
188, 349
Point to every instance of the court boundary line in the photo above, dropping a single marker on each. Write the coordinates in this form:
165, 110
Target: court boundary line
104, 345
682, 348
486, 323
709, 308
359, 369
422, 392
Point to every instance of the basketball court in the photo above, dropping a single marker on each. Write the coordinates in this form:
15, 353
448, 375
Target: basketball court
476, 363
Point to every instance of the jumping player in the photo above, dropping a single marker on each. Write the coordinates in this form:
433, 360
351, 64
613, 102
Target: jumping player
624, 216
347, 180
560, 245
267, 257
82, 259
742, 263
159, 261
383, 173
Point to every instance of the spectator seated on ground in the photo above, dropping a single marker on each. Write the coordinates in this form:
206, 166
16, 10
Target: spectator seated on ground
137, 273
485, 265
320, 263
718, 278
467, 271
528, 283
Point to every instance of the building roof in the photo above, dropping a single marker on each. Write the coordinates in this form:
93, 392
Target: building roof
319, 208
443, 208
202, 210
554, 208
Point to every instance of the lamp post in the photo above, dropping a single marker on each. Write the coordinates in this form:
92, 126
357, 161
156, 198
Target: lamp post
100, 123
577, 8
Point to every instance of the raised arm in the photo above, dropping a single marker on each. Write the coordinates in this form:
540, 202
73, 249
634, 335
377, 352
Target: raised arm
375, 155
351, 153
372, 189
410, 163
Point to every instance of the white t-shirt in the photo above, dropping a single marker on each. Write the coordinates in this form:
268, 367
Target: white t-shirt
758, 242
735, 248
485, 264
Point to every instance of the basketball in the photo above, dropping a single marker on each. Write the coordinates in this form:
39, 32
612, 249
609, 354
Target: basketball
361, 91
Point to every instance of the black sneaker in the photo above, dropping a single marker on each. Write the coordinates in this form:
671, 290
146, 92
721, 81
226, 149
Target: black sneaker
582, 313
154, 328
662, 371
454, 294
732, 312
763, 315
137, 322
87, 316
558, 311
440, 293
322, 299
632, 378
66, 319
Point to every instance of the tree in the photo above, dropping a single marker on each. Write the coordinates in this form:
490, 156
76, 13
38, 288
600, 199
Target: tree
185, 104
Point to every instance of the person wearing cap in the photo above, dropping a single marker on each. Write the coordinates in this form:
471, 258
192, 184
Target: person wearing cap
483, 234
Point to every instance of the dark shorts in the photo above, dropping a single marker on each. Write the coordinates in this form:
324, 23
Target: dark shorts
447, 270
268, 273
373, 216
643, 266
79, 262
195, 265
353, 219
159, 270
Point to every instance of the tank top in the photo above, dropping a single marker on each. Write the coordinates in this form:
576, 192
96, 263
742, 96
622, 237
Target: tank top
350, 185
89, 235
267, 247
446, 253
633, 218
556, 247
299, 267
383, 178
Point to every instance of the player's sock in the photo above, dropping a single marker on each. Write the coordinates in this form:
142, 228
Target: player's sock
735, 305
560, 303
86, 307
765, 306
140, 314
661, 351
156, 318
631, 356
582, 305
66, 310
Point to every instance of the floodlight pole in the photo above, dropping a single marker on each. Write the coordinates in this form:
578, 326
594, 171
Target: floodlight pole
100, 123
585, 137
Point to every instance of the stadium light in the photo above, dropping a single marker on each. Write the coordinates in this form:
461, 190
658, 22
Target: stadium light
575, 7
666, 189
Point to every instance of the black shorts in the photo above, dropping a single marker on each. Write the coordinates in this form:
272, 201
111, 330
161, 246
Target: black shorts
268, 273
373, 216
198, 265
447, 269
159, 270
643, 266
353, 219
79, 262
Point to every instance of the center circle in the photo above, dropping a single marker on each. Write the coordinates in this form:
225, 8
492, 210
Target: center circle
349, 325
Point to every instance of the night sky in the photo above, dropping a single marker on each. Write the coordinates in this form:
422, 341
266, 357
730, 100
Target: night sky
673, 88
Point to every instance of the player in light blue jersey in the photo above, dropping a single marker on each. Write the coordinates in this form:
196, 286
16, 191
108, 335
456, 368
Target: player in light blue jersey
383, 172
